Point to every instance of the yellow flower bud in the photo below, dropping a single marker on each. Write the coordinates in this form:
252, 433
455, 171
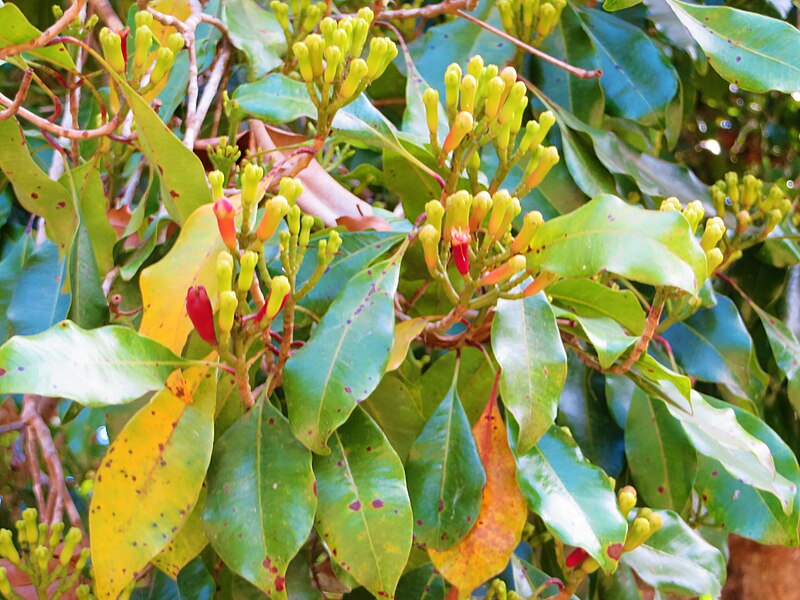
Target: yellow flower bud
475, 66
144, 39
494, 95
507, 16
452, 85
224, 268
30, 516
333, 57
293, 220
626, 499
430, 98
429, 238
301, 53
378, 47
461, 127
638, 532
732, 183
433, 214
355, 75
523, 239
694, 213
217, 180
247, 268
164, 61
306, 224
227, 311
315, 45
290, 188
469, 88
251, 177
175, 42
481, 205
112, 49
512, 210
547, 20
277, 295
671, 204
515, 264
274, 210
715, 229
547, 161
143, 19
512, 102
500, 202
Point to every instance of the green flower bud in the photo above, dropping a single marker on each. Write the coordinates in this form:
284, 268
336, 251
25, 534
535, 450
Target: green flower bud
322, 252
30, 517
718, 198
306, 224
281, 12
500, 202
507, 17
546, 122
547, 20
547, 161
334, 243
460, 204
751, 188
311, 17
293, 219
224, 268
83, 592
327, 28
671, 204
355, 75
277, 295
290, 188
143, 19
378, 48
391, 54
430, 98
655, 520
732, 183
503, 138
144, 39
247, 269
300, 51
785, 206
217, 180
41, 559
638, 532
512, 102
250, 179
112, 49
5, 584
494, 96
774, 198
774, 217
7, 549
481, 205
523, 239
714, 258
434, 211
83, 558
175, 42
227, 311
469, 87
530, 10
462, 125
452, 84
358, 37
516, 120
333, 58
43, 531
475, 66
694, 213
164, 61
366, 14
315, 45
512, 210
715, 229
626, 499
22, 538
429, 238
71, 541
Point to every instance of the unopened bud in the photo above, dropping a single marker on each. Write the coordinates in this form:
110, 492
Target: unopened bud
224, 268
638, 532
227, 311
590, 565
459, 203
278, 293
475, 66
355, 75
7, 549
247, 269
315, 45
576, 558
481, 205
175, 42
452, 84
5, 584
111, 43
164, 60
290, 188
530, 223
694, 213
732, 183
251, 177
547, 20
751, 188
500, 202
217, 181
494, 96
469, 88
459, 241
507, 16
301, 53
547, 161
715, 229
333, 60
224, 212
515, 264
626, 499
30, 517
334, 243
540, 283
41, 559
512, 102
434, 211
274, 210
144, 39
429, 238
306, 224
512, 210
458, 131
671, 204
378, 48
201, 314
774, 217
281, 12
293, 220
430, 98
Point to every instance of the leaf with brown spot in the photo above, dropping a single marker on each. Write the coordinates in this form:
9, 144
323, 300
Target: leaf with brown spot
150, 479
187, 544
487, 548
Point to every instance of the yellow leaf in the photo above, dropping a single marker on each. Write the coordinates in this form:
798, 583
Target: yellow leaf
404, 334
150, 479
190, 541
191, 261
487, 548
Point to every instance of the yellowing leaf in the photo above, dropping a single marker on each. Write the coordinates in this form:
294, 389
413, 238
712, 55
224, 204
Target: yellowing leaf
404, 334
191, 261
488, 546
189, 542
150, 479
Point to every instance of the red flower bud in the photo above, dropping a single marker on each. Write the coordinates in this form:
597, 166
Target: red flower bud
198, 307
576, 557
459, 240
223, 210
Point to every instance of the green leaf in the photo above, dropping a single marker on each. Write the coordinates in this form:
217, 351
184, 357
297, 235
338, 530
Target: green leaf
255, 32
16, 29
10, 269
413, 185
745, 510
612, 5
607, 234
754, 52
340, 366
586, 169
182, 176
716, 433
593, 299
621, 585
94, 213
415, 120
638, 80
662, 460
676, 559
101, 367
275, 99
445, 475
39, 300
364, 514
89, 308
271, 473
569, 41
657, 380
527, 345
35, 191
528, 579
194, 581
714, 345
606, 335
397, 412
668, 25
574, 498
784, 344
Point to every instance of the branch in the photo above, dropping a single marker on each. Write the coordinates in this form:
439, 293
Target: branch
431, 11
576, 71
44, 38
218, 70
106, 12
22, 93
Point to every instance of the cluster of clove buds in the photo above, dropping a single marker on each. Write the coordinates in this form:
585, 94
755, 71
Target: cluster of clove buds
530, 20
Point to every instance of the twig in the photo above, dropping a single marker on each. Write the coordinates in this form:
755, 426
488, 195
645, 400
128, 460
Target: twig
72, 134
47, 35
218, 71
576, 71
15, 426
106, 12
431, 11
20, 96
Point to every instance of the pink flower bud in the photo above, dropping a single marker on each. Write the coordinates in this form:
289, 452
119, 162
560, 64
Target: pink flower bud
198, 307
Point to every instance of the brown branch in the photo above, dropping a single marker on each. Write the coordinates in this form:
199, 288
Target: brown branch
47, 35
431, 11
20, 96
106, 12
653, 317
573, 70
